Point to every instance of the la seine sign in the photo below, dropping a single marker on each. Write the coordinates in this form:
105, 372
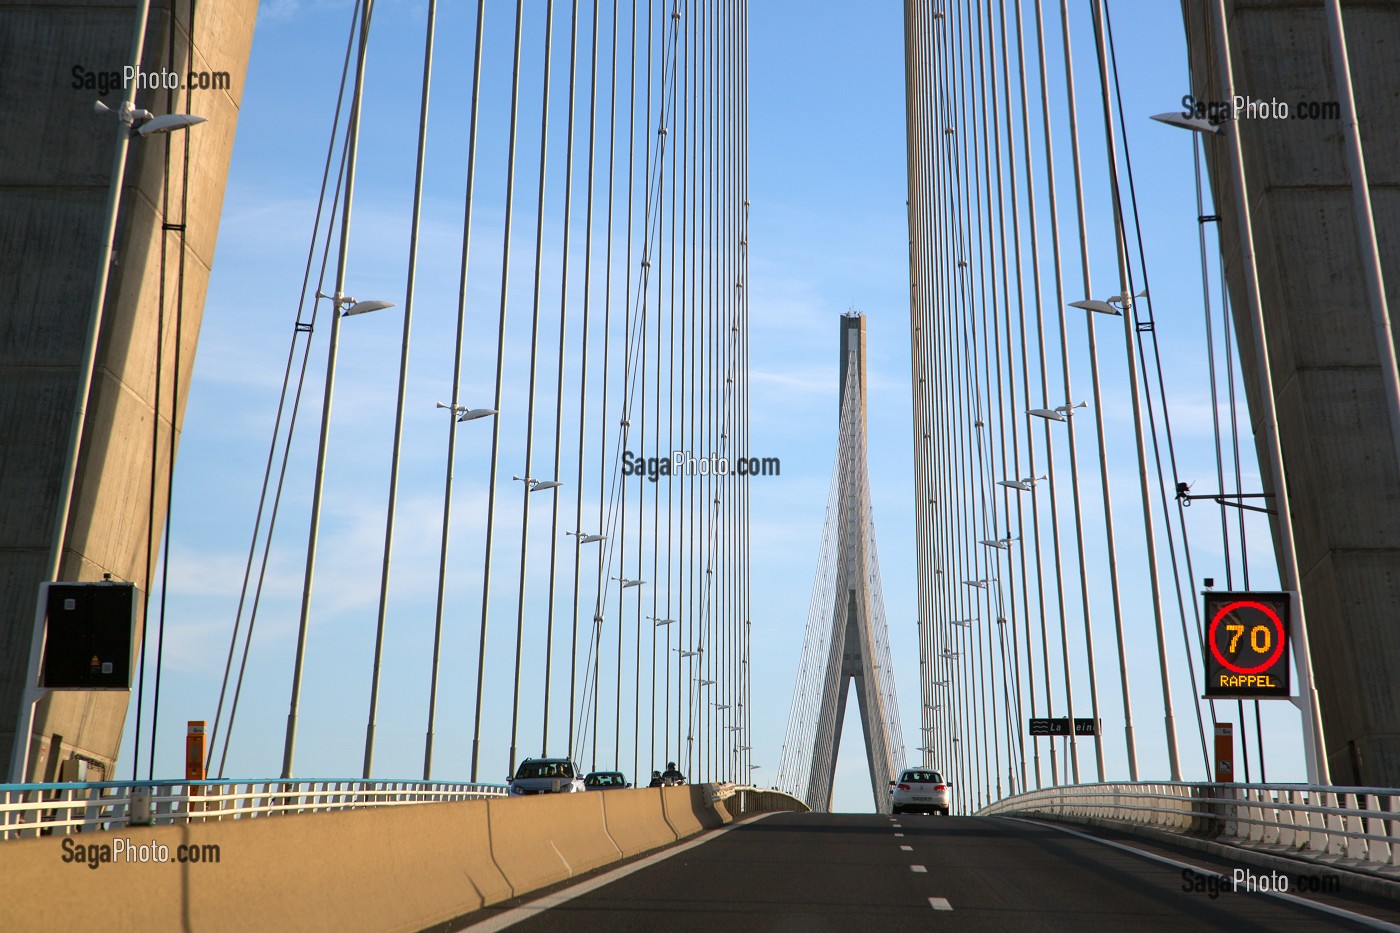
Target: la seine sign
1246, 650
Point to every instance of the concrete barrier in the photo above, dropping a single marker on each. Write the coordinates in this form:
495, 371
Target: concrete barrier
635, 820
394, 868
389, 868
540, 840
692, 808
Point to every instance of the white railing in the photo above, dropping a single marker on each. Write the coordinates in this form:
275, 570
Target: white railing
741, 799
44, 809
1355, 828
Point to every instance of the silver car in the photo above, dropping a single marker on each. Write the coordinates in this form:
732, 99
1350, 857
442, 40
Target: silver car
920, 790
546, 776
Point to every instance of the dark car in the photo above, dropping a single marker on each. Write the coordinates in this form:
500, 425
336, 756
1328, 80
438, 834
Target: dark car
605, 780
546, 776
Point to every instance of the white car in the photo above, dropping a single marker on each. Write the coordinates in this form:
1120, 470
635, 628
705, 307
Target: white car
921, 790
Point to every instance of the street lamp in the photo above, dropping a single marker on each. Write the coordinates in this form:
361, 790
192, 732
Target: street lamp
459, 413
1112, 305
1025, 484
585, 537
149, 124
1176, 118
1058, 413
339, 301
537, 485
462, 412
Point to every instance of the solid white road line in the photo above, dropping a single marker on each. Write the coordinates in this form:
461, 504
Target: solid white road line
539, 906
1372, 922
939, 903
919, 869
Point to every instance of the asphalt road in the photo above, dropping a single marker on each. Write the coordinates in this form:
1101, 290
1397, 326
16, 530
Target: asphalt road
870, 874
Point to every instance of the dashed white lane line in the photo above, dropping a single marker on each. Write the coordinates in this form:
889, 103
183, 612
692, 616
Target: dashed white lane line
907, 848
918, 869
939, 903
899, 835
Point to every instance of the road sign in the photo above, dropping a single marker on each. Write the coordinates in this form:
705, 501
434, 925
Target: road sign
1060, 726
1224, 753
87, 636
1246, 650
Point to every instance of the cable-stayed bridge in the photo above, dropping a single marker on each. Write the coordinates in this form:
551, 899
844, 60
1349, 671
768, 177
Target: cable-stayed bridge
846, 647
512, 487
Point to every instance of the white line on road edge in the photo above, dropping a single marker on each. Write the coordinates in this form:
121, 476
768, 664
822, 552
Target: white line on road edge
1372, 922
939, 903
549, 901
918, 868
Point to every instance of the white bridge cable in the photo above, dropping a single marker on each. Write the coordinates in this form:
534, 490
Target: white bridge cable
975, 129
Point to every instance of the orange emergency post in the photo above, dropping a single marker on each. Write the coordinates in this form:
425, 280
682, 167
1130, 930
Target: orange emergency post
1224, 753
194, 750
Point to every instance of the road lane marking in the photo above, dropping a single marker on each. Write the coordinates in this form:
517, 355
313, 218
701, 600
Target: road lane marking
1372, 922
907, 848
899, 835
540, 905
939, 903
919, 869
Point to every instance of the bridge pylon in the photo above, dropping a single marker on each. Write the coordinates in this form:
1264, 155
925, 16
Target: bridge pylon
846, 645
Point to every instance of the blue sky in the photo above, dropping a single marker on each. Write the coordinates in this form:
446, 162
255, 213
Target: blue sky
827, 233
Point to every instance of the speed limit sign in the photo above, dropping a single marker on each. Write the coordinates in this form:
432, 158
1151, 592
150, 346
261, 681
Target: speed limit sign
1246, 649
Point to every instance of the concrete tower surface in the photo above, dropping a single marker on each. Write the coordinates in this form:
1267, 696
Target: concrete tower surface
1328, 382
56, 59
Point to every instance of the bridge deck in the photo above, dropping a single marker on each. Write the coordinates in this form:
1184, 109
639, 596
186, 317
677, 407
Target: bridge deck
853, 872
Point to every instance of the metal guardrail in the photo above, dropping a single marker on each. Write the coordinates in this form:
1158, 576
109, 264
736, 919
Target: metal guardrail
1353, 828
28, 810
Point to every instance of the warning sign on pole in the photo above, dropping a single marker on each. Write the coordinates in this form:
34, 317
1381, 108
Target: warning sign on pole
1224, 753
194, 750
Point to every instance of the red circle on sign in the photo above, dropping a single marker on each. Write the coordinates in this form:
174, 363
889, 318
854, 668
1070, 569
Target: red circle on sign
1278, 629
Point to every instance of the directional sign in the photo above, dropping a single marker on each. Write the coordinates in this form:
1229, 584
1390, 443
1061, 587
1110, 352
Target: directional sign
1246, 650
1060, 726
